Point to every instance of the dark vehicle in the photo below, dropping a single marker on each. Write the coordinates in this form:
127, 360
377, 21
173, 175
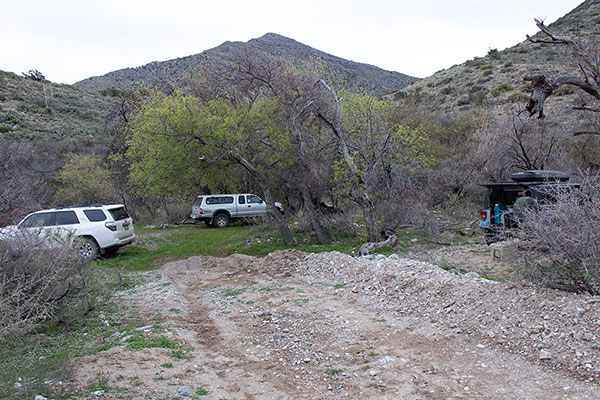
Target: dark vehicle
506, 202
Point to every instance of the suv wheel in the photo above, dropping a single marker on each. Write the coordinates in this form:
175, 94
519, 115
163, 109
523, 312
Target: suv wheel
89, 249
221, 221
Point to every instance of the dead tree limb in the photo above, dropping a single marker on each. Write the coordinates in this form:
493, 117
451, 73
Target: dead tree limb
368, 247
586, 133
543, 86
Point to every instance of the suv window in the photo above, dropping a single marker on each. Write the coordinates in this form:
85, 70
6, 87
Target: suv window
254, 199
220, 200
38, 220
95, 215
198, 201
66, 218
119, 213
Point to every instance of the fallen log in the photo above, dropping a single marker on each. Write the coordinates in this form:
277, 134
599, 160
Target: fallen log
368, 247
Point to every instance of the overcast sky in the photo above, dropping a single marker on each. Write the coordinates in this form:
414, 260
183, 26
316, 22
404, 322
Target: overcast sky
72, 40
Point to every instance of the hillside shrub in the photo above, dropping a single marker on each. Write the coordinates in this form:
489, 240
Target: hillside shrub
463, 101
560, 240
42, 282
494, 54
501, 88
564, 90
447, 90
517, 97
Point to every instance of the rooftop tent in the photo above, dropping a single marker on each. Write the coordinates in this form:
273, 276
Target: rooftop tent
540, 176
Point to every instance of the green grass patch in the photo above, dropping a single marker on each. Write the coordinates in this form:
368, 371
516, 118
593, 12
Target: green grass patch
44, 355
141, 341
333, 371
158, 246
232, 292
202, 392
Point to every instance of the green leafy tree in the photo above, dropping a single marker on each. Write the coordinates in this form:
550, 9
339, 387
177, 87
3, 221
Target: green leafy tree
178, 143
85, 180
373, 150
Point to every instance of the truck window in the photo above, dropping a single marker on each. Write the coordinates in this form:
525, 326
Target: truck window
254, 199
220, 200
95, 215
242, 199
38, 220
198, 201
66, 218
119, 213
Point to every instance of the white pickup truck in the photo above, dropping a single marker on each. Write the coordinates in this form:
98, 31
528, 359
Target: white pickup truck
220, 209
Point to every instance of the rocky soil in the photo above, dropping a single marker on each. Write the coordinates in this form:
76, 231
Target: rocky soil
329, 326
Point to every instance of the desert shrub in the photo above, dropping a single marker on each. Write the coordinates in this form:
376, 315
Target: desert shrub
517, 97
564, 90
560, 240
4, 127
400, 95
501, 88
35, 75
494, 54
42, 279
447, 90
463, 101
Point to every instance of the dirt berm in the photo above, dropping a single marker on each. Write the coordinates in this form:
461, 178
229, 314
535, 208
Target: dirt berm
328, 326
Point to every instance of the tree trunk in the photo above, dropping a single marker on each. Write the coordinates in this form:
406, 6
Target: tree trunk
276, 215
365, 200
312, 215
263, 181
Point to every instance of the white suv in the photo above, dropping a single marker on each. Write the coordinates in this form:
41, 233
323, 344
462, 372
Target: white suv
102, 228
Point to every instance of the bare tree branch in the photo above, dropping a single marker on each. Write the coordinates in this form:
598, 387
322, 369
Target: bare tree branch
586, 133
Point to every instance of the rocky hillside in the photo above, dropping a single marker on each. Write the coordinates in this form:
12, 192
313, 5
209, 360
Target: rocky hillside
371, 78
497, 78
42, 109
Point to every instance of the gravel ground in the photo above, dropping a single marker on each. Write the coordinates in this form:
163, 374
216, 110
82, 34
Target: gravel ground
327, 326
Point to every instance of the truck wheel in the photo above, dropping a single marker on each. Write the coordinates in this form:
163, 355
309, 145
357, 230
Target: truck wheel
89, 249
221, 221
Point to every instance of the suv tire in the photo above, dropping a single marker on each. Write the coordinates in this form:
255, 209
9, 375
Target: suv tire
221, 220
89, 249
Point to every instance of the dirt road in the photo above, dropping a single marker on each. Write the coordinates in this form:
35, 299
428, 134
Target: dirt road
329, 326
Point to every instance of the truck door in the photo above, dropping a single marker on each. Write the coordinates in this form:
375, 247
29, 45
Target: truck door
242, 208
255, 206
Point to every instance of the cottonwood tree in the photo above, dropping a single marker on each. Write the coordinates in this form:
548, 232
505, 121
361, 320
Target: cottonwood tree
371, 151
178, 143
255, 76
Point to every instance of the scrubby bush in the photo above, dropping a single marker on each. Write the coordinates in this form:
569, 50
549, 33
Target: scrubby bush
41, 280
501, 88
560, 239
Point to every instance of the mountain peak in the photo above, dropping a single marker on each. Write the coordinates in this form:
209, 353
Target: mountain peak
357, 75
